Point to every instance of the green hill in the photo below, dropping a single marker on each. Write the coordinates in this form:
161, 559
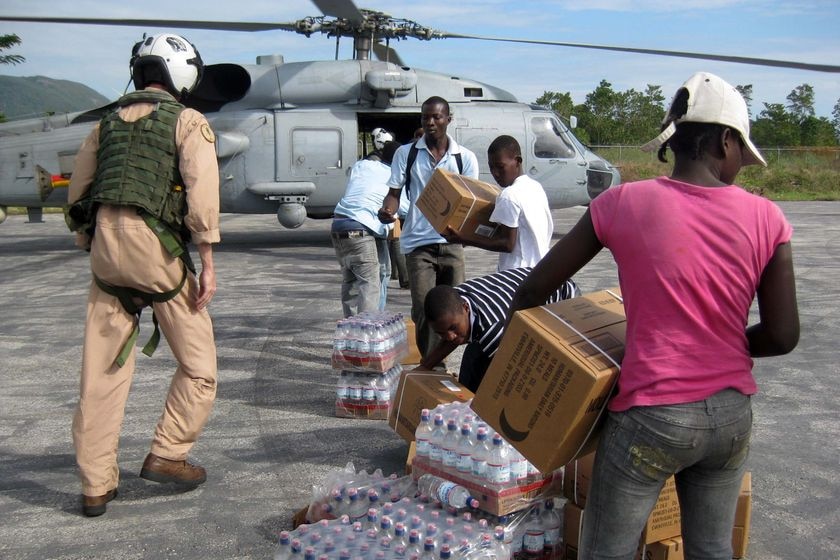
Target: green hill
32, 96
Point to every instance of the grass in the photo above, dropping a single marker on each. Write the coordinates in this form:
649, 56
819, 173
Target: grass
791, 174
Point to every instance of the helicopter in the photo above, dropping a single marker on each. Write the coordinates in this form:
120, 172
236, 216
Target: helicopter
288, 132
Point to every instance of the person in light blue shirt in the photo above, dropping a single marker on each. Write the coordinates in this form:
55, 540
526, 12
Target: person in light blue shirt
360, 239
430, 259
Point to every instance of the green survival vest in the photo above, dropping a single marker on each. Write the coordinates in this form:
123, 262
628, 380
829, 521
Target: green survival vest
137, 165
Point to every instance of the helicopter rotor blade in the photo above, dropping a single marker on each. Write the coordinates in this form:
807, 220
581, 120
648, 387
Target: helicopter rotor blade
169, 23
681, 54
386, 54
342, 9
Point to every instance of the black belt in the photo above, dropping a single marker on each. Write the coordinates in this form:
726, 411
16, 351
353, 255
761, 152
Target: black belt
350, 234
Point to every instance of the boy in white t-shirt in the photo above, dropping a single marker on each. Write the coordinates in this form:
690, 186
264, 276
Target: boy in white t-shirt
525, 225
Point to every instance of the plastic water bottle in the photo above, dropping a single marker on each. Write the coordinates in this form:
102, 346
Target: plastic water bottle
465, 450
498, 464
428, 550
436, 440
284, 547
553, 526
450, 446
446, 492
533, 541
423, 433
518, 467
481, 452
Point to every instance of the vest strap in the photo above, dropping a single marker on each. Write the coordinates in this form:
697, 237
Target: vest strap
128, 299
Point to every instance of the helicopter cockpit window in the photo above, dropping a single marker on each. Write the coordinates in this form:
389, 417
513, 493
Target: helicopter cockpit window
550, 140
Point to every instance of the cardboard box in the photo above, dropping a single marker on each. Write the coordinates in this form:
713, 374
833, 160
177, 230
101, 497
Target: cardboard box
409, 460
668, 549
743, 518
418, 390
664, 520
578, 475
413, 356
549, 382
461, 202
665, 517
492, 500
362, 411
572, 526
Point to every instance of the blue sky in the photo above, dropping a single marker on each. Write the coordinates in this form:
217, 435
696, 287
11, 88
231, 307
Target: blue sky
805, 30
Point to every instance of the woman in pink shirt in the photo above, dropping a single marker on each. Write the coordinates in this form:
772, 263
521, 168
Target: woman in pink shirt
693, 250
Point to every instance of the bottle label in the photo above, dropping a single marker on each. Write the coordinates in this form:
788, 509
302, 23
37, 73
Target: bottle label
519, 470
498, 474
444, 490
533, 542
422, 447
464, 463
450, 458
479, 467
552, 536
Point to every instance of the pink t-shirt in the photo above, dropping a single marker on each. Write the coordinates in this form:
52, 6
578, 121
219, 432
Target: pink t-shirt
689, 261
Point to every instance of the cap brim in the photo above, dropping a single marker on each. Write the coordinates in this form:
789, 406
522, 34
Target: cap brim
752, 156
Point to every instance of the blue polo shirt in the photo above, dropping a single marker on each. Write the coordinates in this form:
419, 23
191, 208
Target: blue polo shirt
417, 231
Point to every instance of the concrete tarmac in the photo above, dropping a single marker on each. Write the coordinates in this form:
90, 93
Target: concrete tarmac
273, 433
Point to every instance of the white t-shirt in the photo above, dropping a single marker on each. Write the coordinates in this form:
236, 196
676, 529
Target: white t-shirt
524, 206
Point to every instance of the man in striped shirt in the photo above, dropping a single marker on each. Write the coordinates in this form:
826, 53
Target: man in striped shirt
473, 313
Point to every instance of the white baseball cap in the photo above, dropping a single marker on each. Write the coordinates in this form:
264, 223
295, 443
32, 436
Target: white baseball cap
711, 100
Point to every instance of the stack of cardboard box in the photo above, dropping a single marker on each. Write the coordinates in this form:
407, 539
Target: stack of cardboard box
660, 539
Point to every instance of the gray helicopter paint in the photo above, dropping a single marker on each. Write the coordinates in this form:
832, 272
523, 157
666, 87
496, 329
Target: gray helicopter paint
291, 132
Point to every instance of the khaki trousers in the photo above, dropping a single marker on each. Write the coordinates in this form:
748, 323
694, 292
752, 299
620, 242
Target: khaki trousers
104, 386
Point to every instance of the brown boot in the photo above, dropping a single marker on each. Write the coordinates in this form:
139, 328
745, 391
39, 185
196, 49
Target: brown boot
93, 506
158, 469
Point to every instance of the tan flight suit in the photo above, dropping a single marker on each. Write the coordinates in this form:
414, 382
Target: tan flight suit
125, 252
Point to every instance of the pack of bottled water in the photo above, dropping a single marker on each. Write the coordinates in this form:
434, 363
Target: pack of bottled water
370, 341
363, 394
361, 515
454, 443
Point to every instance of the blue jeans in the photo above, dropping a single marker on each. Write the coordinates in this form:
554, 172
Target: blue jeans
428, 266
704, 444
384, 270
360, 273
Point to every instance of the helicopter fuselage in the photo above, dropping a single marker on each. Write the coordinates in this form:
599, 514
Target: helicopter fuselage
287, 134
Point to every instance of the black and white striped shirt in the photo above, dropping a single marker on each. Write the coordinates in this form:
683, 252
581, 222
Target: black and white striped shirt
490, 298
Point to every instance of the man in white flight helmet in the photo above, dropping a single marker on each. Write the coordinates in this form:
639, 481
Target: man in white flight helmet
145, 184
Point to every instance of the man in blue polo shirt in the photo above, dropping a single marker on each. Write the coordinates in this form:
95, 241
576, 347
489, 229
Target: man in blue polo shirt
359, 238
429, 258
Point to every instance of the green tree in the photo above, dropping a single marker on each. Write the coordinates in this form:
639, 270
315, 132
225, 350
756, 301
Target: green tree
801, 102
835, 120
817, 131
560, 103
747, 93
602, 114
7, 41
776, 127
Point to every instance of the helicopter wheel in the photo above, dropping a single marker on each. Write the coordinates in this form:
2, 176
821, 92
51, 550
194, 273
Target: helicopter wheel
3, 214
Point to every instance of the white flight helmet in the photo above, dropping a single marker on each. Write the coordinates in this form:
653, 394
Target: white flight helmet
380, 136
169, 59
